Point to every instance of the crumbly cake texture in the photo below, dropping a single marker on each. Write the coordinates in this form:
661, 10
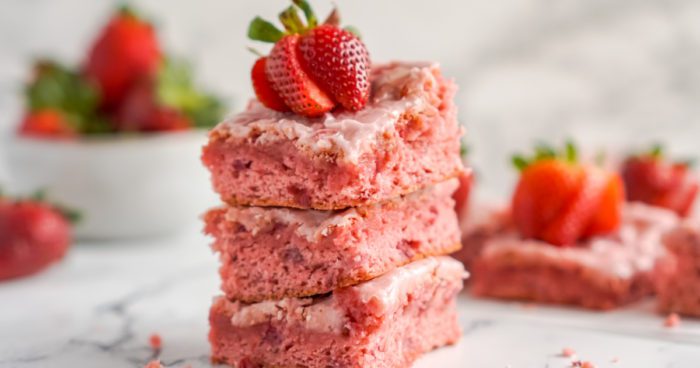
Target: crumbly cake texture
601, 273
406, 138
386, 322
679, 290
272, 253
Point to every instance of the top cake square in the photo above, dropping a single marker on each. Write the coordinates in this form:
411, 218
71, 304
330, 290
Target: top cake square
407, 138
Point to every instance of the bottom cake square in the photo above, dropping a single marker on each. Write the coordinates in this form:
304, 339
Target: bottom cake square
385, 322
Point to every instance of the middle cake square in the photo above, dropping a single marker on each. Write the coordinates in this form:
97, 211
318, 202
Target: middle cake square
273, 253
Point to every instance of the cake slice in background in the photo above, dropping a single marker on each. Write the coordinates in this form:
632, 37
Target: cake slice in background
679, 290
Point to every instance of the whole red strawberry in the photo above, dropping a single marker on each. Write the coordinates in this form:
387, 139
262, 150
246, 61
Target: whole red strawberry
263, 88
651, 179
561, 201
126, 51
141, 111
32, 236
46, 123
312, 67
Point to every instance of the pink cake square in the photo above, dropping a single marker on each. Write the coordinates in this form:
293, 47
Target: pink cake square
679, 290
407, 138
271, 252
601, 273
385, 322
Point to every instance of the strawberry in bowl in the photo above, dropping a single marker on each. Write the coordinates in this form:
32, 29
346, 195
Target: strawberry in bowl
653, 179
118, 136
568, 237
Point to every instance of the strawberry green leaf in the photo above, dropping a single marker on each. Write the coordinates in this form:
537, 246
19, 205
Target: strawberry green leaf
262, 30
520, 162
305, 7
291, 21
463, 149
571, 153
657, 150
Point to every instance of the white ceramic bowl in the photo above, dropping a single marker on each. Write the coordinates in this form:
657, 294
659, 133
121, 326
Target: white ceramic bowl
123, 186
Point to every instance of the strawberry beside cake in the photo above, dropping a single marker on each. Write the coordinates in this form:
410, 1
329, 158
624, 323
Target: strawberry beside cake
406, 138
679, 290
271, 253
386, 322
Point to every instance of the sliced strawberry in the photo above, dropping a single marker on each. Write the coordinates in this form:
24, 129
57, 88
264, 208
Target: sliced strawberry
126, 51
263, 88
546, 202
47, 123
294, 86
608, 217
339, 62
32, 236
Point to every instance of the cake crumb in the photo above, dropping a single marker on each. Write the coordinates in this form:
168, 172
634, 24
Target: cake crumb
155, 341
582, 364
568, 352
154, 364
672, 320
615, 360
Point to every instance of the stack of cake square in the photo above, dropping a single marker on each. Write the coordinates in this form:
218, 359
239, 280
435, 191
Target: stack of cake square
334, 231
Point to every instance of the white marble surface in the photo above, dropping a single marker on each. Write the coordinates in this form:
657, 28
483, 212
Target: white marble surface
99, 307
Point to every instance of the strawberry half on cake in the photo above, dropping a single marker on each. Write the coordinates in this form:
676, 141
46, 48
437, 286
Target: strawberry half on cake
328, 129
569, 238
386, 322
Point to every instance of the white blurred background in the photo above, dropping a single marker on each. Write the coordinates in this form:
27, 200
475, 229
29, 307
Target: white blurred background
611, 73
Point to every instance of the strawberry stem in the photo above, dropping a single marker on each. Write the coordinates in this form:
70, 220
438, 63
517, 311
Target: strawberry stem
262, 30
291, 21
305, 7
333, 18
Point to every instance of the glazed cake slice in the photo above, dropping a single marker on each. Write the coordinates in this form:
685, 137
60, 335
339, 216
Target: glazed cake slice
406, 138
271, 253
385, 322
679, 290
601, 273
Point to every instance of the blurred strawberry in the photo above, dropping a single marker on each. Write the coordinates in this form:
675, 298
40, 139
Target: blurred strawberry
561, 201
651, 179
141, 111
609, 215
46, 123
32, 236
126, 51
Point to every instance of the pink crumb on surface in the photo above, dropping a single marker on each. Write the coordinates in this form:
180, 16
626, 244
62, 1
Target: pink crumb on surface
386, 322
672, 320
271, 253
154, 364
582, 364
568, 352
155, 341
405, 139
